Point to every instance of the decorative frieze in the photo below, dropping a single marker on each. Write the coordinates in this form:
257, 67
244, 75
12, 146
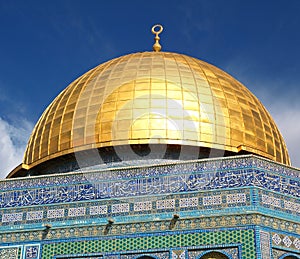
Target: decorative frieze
56, 213
212, 200
188, 202
12, 217
98, 210
270, 200
76, 212
165, 204
236, 198
142, 206
131, 207
119, 208
34, 215
223, 200
293, 206
287, 241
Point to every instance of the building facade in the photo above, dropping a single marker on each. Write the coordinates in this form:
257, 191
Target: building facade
153, 155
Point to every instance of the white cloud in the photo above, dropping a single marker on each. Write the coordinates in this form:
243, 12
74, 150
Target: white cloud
13, 140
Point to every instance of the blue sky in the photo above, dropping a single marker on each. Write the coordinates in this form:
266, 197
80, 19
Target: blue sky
45, 45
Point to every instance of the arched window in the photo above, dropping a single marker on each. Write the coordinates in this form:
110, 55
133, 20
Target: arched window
214, 255
145, 257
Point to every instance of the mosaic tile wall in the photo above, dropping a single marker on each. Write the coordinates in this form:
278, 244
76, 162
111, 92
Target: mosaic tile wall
236, 244
279, 202
72, 231
245, 238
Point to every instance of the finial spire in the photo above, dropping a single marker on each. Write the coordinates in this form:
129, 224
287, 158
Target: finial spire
157, 46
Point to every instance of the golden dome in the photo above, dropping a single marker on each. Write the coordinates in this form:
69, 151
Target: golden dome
155, 97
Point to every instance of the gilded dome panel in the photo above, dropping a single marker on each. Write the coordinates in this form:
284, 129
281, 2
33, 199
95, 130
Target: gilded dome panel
155, 97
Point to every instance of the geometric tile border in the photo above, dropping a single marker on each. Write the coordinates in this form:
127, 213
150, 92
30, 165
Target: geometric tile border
279, 201
286, 241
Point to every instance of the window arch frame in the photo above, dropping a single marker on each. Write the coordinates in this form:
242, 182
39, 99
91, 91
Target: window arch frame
148, 255
214, 251
289, 254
